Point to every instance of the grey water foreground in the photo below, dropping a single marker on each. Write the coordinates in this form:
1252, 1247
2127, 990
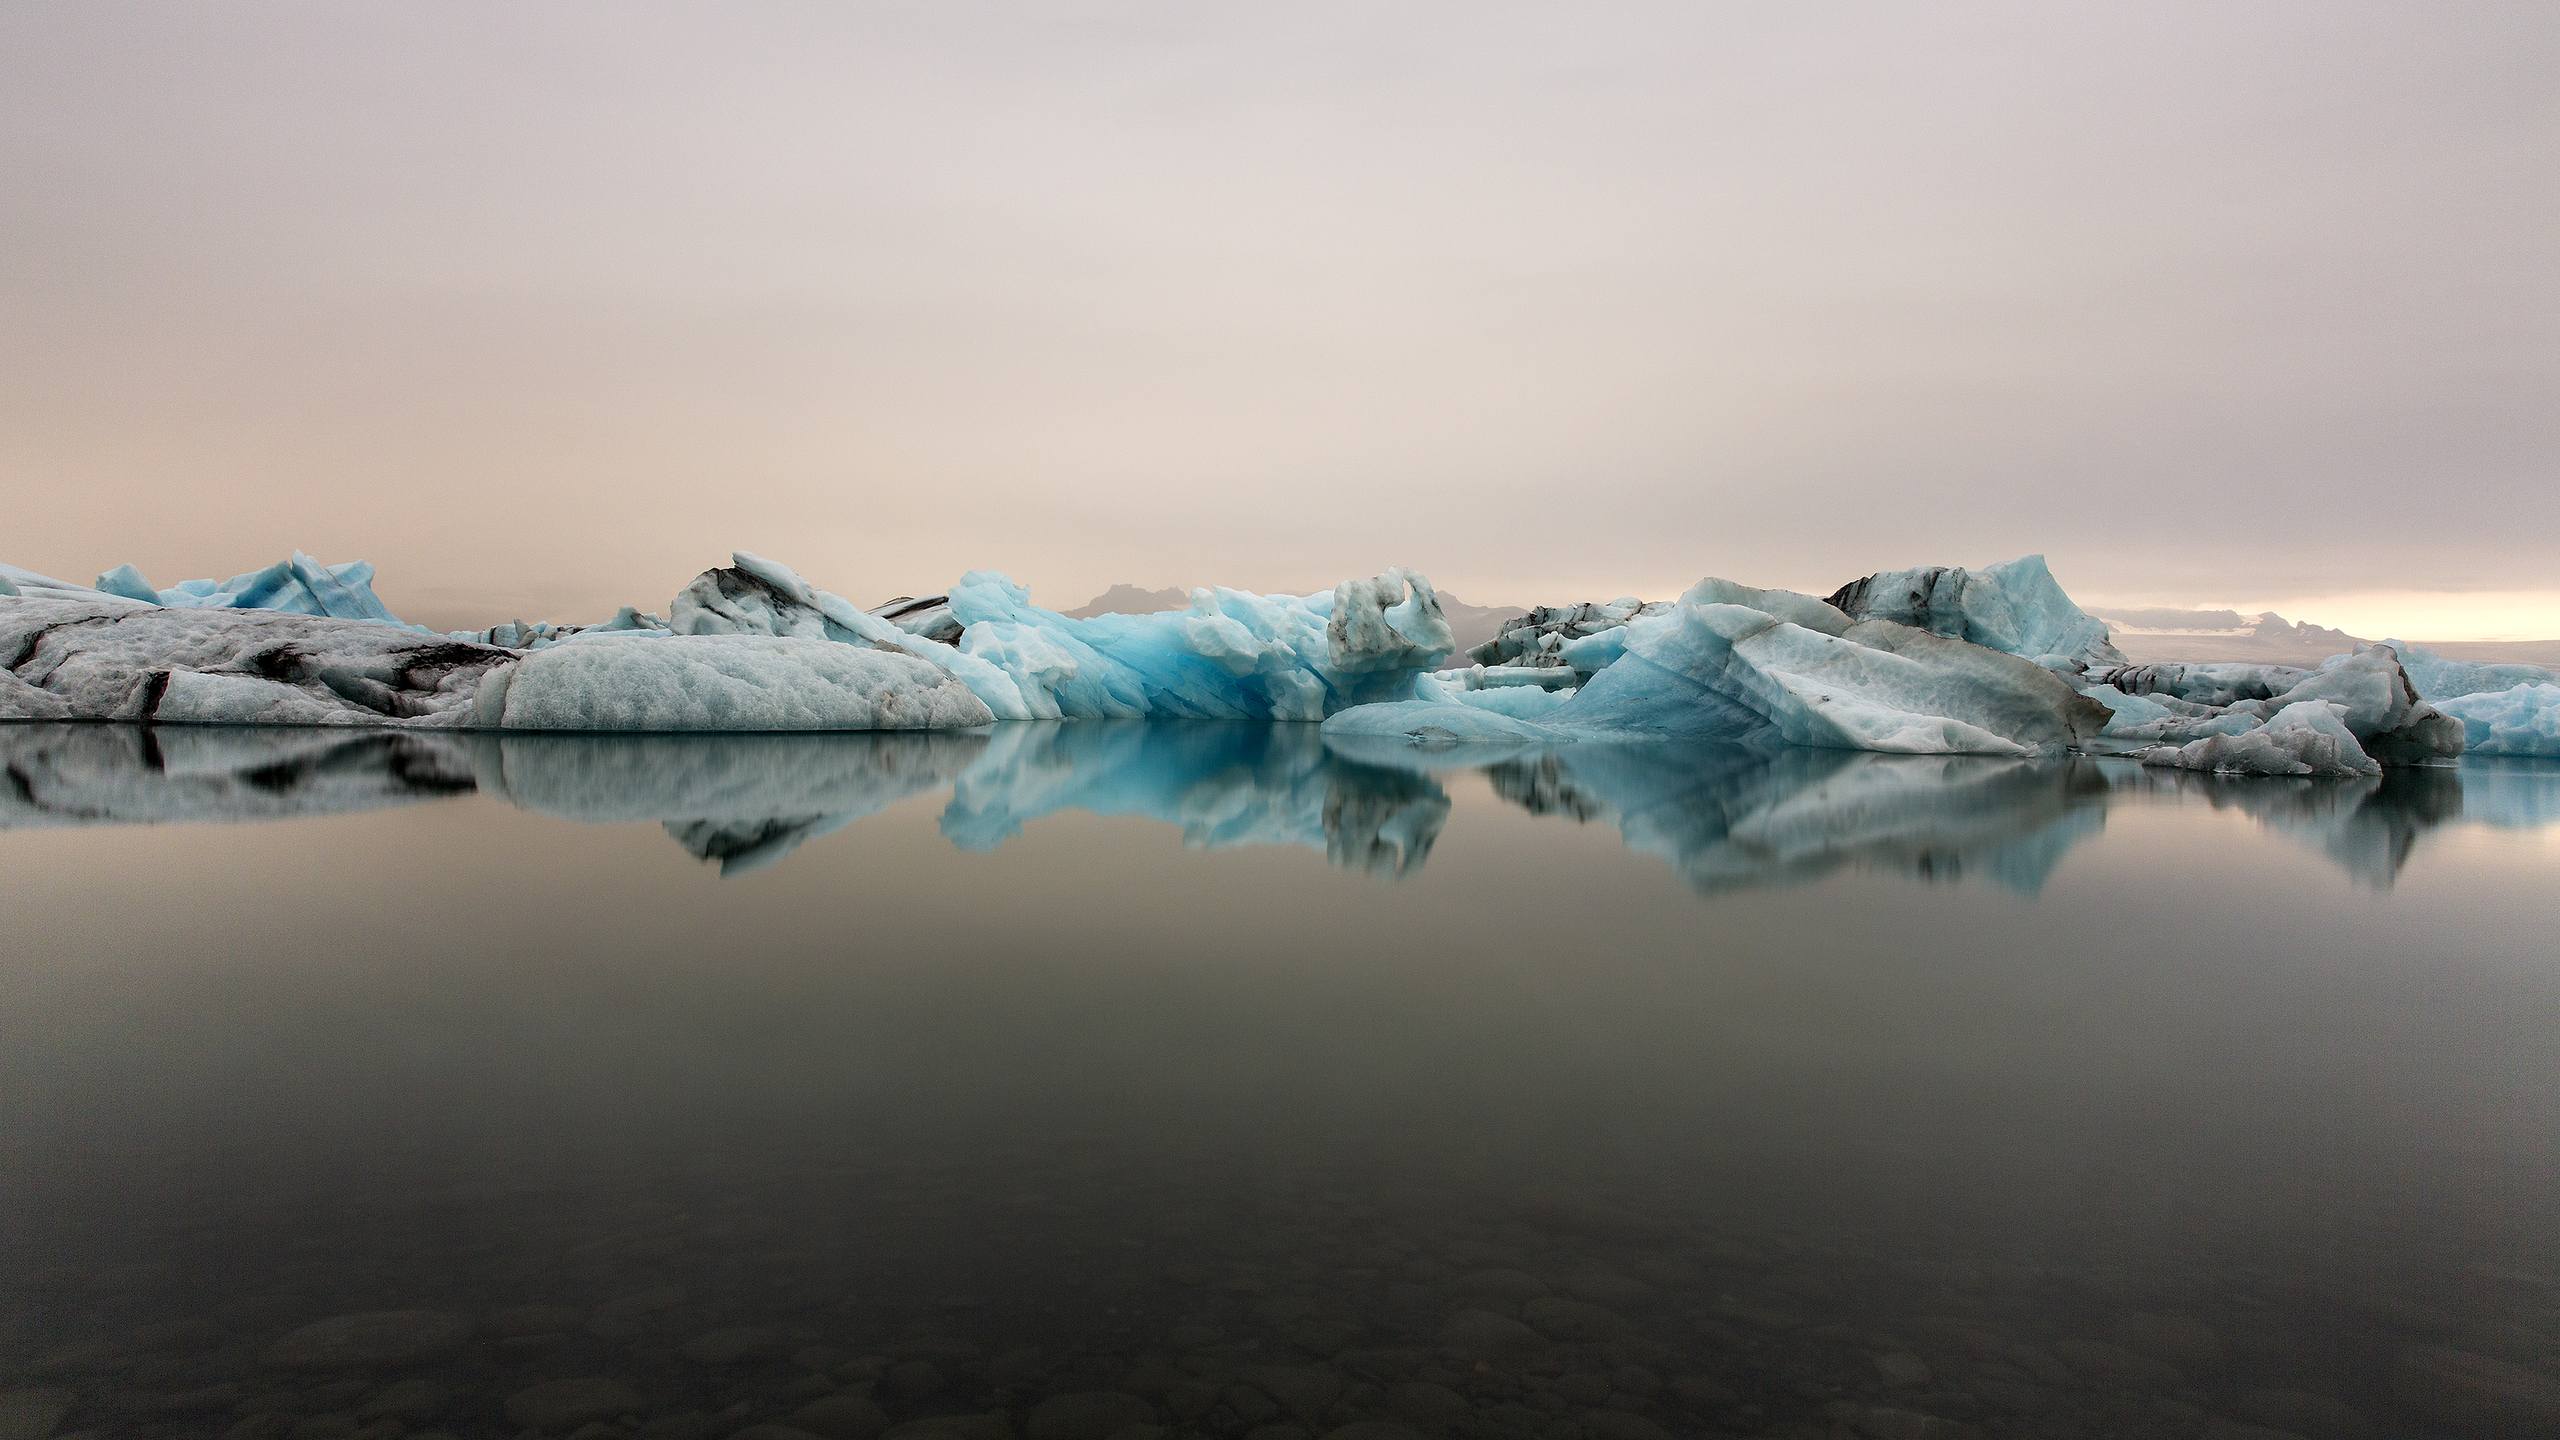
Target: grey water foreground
1145, 1080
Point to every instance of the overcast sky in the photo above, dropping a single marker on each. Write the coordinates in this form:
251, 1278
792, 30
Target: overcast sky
544, 308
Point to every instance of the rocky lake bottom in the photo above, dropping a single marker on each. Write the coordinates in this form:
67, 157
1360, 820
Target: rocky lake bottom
1152, 1081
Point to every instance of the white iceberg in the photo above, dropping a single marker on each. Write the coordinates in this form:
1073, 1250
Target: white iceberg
2308, 737
107, 658
2185, 705
112, 659
730, 682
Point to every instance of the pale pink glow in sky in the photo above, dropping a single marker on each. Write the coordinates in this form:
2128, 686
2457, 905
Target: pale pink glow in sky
2420, 615
546, 308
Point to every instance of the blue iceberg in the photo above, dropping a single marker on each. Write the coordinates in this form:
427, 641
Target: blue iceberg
2015, 607
2524, 720
1739, 665
299, 586
1232, 655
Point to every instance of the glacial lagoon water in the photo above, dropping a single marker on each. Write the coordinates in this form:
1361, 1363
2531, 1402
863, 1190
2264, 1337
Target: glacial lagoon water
1076, 1079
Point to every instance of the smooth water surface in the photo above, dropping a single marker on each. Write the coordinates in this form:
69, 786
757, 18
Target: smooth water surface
1075, 1078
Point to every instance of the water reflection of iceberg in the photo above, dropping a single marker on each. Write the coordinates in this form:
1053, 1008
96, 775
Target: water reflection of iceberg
70, 774
2512, 794
745, 801
1223, 784
1721, 818
1728, 818
2367, 825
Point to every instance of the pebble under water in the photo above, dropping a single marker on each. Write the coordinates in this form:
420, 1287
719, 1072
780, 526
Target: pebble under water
1112, 1081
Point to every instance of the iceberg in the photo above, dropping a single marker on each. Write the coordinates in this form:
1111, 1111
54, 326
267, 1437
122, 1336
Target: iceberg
112, 659
2210, 685
1233, 655
536, 634
1737, 665
2308, 737
2186, 705
298, 586
2015, 607
729, 682
1870, 685
109, 658
2524, 720
2438, 678
1537, 639
16, 583
1934, 660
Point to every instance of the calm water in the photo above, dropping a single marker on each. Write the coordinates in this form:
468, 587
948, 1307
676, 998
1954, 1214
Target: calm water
1080, 1078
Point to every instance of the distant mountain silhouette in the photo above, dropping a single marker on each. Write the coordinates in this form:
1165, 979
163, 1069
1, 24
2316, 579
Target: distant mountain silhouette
1472, 625
2165, 633
2168, 633
1130, 600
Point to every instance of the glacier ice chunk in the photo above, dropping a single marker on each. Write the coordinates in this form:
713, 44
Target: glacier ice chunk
731, 682
2015, 607
2523, 720
1713, 668
111, 659
2217, 683
2184, 704
2308, 737
1877, 685
1539, 638
18, 582
296, 586
108, 658
1233, 655
2438, 678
